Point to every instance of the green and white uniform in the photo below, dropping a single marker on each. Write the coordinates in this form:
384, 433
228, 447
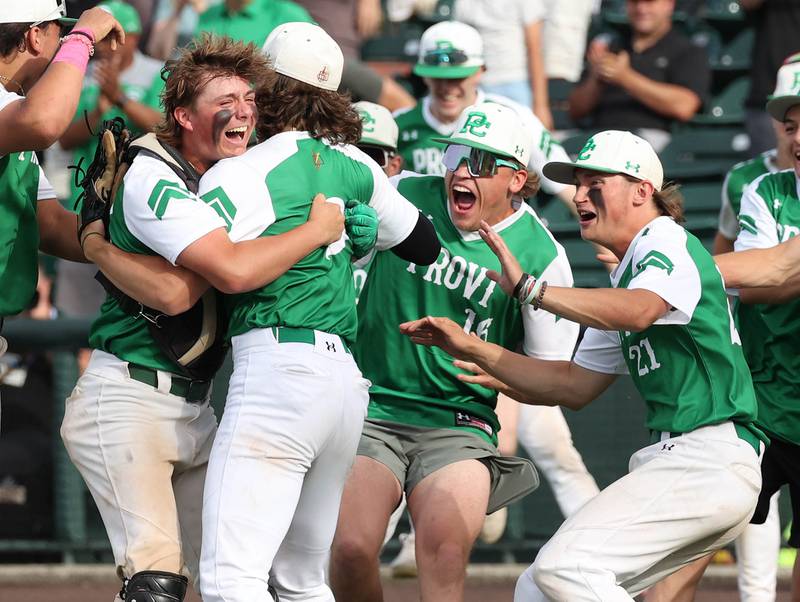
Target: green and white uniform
417, 385
22, 185
297, 400
694, 489
736, 180
422, 154
129, 427
770, 214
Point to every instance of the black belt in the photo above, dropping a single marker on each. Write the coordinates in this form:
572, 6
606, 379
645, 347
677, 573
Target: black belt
193, 391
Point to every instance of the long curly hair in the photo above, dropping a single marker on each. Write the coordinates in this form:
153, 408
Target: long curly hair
294, 105
205, 59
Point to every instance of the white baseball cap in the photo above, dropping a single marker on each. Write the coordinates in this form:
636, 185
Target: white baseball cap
34, 11
303, 51
492, 127
787, 88
611, 151
449, 50
379, 127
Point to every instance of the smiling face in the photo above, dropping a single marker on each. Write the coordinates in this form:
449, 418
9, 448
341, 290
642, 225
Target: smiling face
451, 96
791, 130
220, 121
472, 199
607, 208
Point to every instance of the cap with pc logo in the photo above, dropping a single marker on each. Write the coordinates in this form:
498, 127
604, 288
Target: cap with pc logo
303, 51
449, 50
490, 134
787, 88
612, 151
34, 11
379, 127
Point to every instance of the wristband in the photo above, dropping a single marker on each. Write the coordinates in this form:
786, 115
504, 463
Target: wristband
518, 288
88, 234
84, 32
530, 292
76, 51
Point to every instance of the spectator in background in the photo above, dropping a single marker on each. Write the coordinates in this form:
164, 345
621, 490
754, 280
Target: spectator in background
124, 84
776, 23
645, 81
512, 43
349, 22
250, 20
564, 40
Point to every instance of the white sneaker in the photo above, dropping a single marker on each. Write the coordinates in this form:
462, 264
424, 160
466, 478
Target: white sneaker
405, 563
494, 525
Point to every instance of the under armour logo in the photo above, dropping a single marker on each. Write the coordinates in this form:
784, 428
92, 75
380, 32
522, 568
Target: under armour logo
330, 346
633, 166
667, 446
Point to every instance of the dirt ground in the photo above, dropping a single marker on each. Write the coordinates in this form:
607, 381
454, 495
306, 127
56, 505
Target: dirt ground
395, 591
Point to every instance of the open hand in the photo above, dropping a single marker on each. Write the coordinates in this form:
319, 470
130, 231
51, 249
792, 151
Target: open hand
512, 271
477, 376
440, 332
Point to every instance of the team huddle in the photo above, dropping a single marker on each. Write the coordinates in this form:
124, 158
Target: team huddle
237, 224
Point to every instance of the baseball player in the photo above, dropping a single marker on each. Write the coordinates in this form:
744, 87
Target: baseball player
757, 548
666, 322
451, 62
770, 214
379, 136
137, 427
40, 83
427, 435
296, 400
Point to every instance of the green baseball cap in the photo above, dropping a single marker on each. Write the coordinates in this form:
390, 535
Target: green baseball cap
123, 12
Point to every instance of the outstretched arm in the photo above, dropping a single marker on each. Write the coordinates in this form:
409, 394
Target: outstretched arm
529, 380
774, 266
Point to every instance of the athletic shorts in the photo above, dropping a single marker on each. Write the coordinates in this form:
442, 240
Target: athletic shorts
414, 452
780, 466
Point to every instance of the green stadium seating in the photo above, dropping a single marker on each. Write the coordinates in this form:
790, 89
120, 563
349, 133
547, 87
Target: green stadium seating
728, 106
736, 55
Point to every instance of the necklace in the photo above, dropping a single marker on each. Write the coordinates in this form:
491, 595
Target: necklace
11, 80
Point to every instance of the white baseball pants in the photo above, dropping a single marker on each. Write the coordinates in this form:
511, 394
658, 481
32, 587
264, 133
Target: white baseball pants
285, 445
545, 435
142, 453
757, 550
682, 498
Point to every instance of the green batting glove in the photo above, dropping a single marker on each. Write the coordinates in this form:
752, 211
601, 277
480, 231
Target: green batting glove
361, 225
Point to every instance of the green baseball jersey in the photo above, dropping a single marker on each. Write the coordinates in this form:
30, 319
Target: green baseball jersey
418, 126
736, 180
418, 385
770, 214
136, 83
253, 22
268, 191
688, 366
22, 184
153, 214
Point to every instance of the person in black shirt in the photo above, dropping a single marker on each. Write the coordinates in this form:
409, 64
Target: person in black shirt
645, 80
776, 23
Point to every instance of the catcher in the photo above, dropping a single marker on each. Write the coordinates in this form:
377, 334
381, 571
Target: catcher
138, 425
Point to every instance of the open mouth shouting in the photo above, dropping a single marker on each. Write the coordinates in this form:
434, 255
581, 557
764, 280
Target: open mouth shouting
586, 217
236, 134
463, 198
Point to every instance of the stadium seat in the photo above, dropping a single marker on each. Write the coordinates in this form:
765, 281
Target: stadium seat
728, 106
726, 16
701, 203
736, 55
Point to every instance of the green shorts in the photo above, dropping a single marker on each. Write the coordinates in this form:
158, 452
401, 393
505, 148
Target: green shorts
414, 452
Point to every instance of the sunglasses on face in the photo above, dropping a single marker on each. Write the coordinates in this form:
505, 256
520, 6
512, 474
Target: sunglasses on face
480, 163
381, 156
445, 57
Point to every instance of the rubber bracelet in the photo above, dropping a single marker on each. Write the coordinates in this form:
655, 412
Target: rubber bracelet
537, 302
84, 32
531, 293
75, 51
525, 291
518, 288
87, 235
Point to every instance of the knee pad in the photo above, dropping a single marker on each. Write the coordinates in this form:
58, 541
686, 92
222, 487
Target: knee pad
154, 586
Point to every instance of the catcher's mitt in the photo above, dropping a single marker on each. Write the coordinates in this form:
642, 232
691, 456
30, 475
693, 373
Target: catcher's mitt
100, 180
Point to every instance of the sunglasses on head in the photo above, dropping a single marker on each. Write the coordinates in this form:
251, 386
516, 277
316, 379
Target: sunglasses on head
480, 163
442, 56
380, 155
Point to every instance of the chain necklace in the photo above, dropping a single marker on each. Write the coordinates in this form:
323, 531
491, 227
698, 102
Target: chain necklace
11, 80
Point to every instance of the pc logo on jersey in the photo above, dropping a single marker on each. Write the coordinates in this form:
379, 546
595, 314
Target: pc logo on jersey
657, 260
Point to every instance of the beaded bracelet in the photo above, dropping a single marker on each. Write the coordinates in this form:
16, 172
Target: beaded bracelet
537, 302
81, 37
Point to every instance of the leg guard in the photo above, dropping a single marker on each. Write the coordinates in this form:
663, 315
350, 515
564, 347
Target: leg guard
154, 586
